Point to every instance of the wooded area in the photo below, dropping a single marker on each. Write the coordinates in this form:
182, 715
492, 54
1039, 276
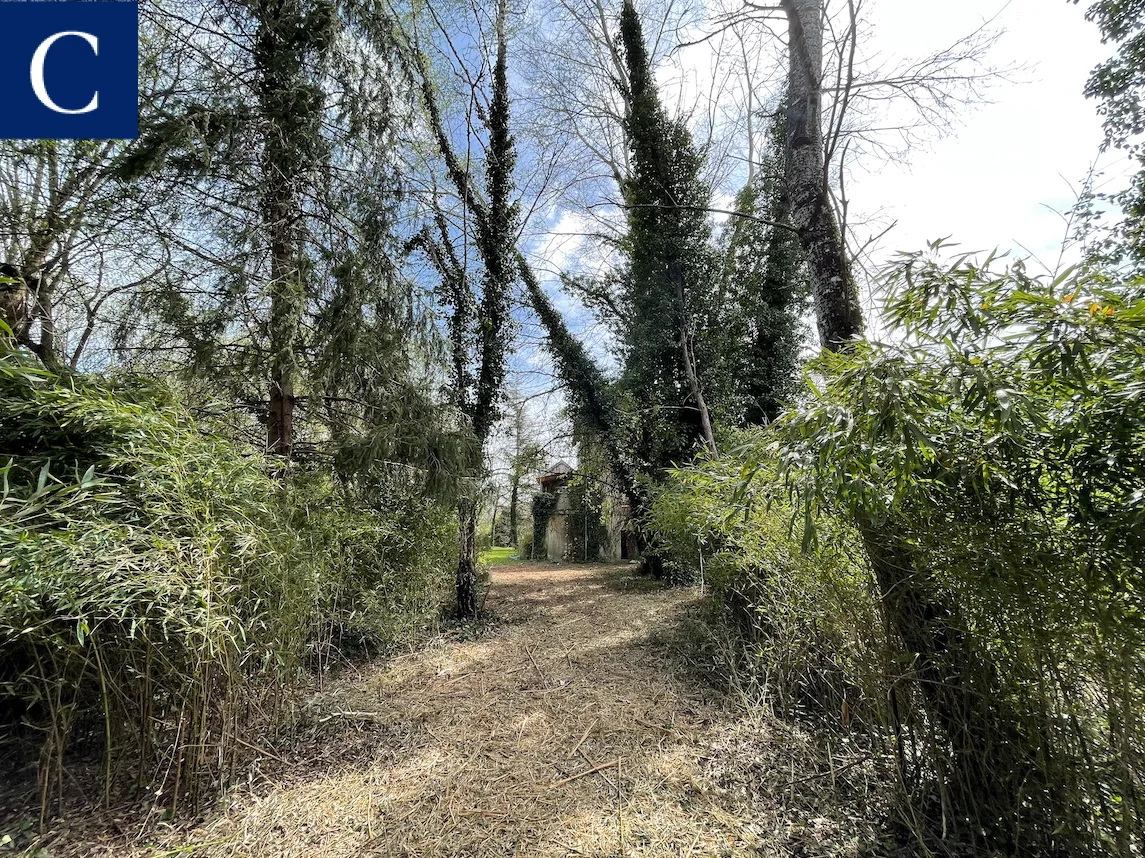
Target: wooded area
259, 413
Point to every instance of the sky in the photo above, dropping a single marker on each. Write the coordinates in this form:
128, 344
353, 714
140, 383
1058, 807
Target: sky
996, 180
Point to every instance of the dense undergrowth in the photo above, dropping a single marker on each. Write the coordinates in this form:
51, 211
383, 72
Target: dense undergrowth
162, 588
999, 441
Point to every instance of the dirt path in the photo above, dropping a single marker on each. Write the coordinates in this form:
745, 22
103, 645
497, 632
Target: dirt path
565, 731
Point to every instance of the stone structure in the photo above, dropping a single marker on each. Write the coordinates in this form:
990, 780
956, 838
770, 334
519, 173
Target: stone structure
599, 533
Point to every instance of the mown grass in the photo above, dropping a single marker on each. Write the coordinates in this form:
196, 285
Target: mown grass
501, 556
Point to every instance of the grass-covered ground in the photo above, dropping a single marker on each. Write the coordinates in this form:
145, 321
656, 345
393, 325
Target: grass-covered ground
499, 556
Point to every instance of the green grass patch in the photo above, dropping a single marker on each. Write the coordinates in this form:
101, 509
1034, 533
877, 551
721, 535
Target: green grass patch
499, 556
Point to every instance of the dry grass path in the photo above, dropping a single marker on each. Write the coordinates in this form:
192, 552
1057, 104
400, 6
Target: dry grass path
566, 730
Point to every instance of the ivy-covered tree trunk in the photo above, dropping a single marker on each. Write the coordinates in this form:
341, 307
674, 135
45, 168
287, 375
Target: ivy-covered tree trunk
478, 395
955, 680
466, 582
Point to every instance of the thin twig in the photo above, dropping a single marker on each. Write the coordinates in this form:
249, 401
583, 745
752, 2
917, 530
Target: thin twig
619, 807
818, 775
540, 673
585, 774
584, 736
262, 751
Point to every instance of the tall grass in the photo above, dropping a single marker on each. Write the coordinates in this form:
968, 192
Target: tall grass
160, 589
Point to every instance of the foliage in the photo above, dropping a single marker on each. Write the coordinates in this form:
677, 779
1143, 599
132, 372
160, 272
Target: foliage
763, 296
1119, 85
670, 268
586, 531
1001, 440
159, 586
544, 504
525, 545
811, 637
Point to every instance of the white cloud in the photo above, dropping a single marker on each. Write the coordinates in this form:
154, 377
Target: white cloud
990, 183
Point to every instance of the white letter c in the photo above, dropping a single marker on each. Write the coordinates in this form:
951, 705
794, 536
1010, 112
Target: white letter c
38, 72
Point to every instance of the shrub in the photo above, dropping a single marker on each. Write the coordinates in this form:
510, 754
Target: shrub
810, 634
1001, 441
542, 507
525, 544
158, 585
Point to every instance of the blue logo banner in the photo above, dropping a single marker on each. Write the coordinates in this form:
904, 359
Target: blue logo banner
69, 69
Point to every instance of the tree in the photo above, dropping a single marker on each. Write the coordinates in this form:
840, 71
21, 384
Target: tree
1119, 85
277, 176
837, 311
291, 34
485, 323
526, 457
762, 297
670, 269
573, 61
990, 755
657, 411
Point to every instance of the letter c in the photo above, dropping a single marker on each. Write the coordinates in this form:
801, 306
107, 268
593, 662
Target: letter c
38, 72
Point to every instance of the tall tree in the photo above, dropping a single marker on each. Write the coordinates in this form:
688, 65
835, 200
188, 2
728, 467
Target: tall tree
762, 296
525, 457
837, 310
280, 176
670, 267
484, 324
957, 682
291, 37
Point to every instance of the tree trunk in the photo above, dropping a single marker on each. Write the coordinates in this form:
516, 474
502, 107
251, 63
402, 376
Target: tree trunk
467, 559
688, 361
285, 313
838, 315
45, 349
960, 686
957, 683
14, 300
514, 491
283, 164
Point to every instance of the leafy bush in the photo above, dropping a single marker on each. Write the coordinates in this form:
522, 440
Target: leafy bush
1002, 441
525, 544
999, 444
811, 638
542, 507
158, 585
